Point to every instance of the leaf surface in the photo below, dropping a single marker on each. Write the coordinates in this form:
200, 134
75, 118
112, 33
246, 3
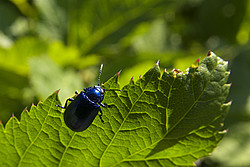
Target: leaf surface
163, 119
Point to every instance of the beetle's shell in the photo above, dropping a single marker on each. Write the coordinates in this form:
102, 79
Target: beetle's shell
80, 113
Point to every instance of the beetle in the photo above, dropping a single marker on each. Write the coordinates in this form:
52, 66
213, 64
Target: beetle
83, 109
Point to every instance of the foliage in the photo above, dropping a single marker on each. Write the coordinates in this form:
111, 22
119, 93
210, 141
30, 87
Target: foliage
47, 45
161, 120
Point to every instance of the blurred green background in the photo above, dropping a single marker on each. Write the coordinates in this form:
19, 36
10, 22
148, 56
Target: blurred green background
46, 45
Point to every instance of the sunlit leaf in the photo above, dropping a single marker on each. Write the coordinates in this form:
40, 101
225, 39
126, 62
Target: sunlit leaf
169, 119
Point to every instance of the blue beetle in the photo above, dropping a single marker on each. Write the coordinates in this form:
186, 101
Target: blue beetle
83, 109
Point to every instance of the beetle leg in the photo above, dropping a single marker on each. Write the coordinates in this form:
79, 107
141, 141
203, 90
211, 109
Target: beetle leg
109, 106
105, 105
76, 92
102, 105
100, 115
65, 105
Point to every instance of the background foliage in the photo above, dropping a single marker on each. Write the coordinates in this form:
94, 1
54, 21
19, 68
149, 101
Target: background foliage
50, 44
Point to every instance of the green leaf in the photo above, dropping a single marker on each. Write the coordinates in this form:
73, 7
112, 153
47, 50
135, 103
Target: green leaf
169, 119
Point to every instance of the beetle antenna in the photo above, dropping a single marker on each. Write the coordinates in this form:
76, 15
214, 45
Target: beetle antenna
99, 78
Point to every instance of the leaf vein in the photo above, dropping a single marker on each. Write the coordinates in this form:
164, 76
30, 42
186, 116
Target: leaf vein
133, 104
32, 142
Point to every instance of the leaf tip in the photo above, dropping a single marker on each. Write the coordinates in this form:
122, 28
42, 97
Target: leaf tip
197, 61
140, 77
118, 73
157, 63
223, 132
132, 79
57, 91
12, 115
210, 53
177, 70
229, 103
1, 122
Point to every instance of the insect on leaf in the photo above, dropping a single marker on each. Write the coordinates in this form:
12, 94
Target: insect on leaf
163, 119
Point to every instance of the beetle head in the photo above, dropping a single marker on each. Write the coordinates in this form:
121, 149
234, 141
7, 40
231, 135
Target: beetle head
95, 94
